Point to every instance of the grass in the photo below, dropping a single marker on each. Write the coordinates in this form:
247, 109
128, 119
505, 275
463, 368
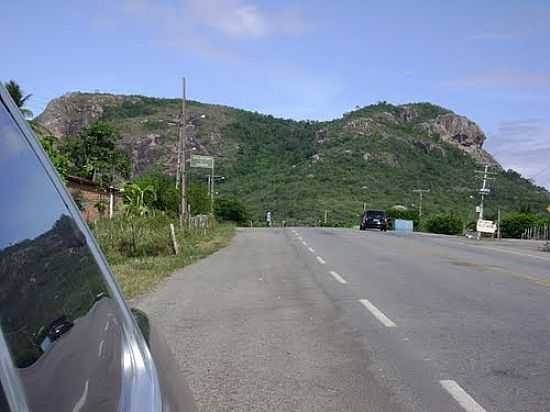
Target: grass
138, 274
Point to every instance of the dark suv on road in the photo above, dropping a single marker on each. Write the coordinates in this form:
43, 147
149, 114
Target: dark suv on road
68, 340
374, 219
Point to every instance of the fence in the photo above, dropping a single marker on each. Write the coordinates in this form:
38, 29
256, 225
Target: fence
537, 232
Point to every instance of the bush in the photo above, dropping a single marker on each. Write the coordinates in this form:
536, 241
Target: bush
515, 223
230, 209
445, 223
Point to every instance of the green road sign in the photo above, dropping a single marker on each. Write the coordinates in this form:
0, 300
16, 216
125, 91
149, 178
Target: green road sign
205, 162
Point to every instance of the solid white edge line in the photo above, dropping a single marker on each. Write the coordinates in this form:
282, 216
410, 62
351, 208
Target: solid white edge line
387, 322
461, 396
338, 277
311, 249
321, 260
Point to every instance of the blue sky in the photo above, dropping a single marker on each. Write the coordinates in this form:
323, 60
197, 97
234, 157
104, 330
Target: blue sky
488, 60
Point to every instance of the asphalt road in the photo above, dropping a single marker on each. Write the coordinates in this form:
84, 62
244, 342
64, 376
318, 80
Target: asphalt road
304, 319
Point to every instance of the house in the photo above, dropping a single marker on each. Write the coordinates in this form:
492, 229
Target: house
92, 200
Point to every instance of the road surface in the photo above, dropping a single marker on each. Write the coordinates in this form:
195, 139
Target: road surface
308, 319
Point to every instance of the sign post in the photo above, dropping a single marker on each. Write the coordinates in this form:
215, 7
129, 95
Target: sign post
206, 162
486, 226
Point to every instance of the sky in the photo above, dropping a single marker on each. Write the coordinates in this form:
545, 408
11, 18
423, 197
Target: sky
488, 60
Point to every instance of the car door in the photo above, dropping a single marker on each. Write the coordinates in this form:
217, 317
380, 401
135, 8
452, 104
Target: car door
68, 341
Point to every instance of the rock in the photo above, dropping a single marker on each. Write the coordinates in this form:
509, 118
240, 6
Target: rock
68, 114
322, 136
361, 126
428, 147
455, 129
315, 158
366, 156
407, 114
462, 132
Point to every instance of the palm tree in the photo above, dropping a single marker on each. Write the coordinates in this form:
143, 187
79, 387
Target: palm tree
18, 97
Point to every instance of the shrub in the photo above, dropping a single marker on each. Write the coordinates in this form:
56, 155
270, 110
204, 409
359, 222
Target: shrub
166, 197
230, 209
445, 223
514, 224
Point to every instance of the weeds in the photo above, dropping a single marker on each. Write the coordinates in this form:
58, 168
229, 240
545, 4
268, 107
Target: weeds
140, 250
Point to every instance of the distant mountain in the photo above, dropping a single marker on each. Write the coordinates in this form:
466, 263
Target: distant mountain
298, 169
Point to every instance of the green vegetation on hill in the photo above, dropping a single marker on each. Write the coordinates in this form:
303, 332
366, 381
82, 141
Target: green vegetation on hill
298, 169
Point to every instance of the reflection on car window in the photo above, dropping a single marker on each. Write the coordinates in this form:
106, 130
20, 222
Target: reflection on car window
56, 313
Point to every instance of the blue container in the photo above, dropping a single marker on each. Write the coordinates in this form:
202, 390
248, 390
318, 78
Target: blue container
402, 225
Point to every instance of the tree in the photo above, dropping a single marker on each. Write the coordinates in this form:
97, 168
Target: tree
18, 97
94, 154
58, 159
230, 209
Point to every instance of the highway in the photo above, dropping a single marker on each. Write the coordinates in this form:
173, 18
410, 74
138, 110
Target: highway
311, 319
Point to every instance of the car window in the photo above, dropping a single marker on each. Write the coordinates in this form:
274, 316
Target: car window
376, 215
57, 314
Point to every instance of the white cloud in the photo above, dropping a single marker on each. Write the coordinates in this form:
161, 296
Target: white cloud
245, 19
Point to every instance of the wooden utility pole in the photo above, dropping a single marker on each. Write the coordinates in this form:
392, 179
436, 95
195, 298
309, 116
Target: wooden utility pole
181, 159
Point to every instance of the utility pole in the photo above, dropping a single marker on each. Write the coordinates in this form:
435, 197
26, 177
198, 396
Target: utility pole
484, 190
181, 159
212, 178
420, 192
498, 226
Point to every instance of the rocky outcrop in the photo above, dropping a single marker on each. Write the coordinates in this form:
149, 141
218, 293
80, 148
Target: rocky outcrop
462, 132
360, 126
407, 114
457, 129
68, 114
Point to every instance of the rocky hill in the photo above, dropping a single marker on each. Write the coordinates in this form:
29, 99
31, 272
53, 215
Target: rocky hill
376, 154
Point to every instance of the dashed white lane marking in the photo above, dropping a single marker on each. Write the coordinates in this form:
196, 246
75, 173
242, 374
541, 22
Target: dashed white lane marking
100, 351
82, 401
106, 326
311, 249
304, 243
300, 238
321, 260
338, 277
461, 396
387, 322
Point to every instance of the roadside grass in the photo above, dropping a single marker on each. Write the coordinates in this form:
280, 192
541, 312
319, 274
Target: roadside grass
138, 274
